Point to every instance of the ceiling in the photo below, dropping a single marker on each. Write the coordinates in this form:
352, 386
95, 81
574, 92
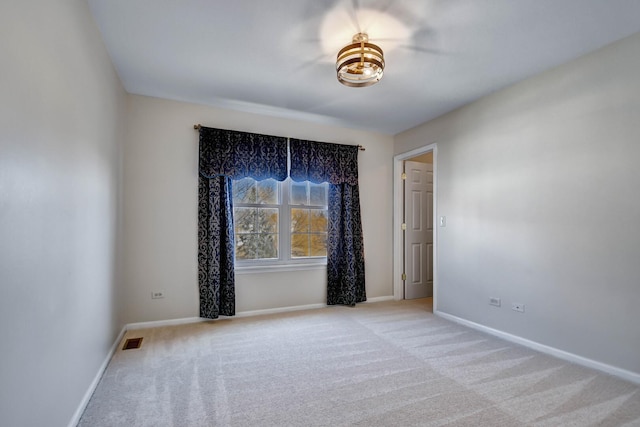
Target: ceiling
278, 57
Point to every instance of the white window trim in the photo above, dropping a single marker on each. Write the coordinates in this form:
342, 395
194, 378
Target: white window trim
277, 268
284, 262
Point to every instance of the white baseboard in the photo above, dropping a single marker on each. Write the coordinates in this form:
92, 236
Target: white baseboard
186, 320
552, 351
159, 323
279, 310
183, 321
379, 299
92, 387
300, 307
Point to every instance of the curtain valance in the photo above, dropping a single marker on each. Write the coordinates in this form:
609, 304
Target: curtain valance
236, 155
320, 161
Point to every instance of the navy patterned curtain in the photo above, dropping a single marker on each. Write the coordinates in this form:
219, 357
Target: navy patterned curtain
227, 155
338, 165
216, 277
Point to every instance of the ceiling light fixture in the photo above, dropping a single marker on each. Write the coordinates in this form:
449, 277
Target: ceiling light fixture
360, 63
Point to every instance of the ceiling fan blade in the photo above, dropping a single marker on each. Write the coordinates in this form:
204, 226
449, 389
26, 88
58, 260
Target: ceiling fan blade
310, 40
424, 33
320, 59
384, 8
354, 16
422, 49
386, 39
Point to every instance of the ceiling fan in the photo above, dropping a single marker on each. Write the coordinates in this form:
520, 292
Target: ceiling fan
361, 62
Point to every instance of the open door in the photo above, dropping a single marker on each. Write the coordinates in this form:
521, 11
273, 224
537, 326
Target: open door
418, 226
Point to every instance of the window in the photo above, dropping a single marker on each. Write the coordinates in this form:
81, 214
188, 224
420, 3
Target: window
256, 217
308, 219
279, 223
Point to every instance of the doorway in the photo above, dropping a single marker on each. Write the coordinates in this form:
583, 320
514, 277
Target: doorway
415, 234
418, 227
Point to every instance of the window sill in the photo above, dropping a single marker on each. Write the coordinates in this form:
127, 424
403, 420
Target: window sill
277, 268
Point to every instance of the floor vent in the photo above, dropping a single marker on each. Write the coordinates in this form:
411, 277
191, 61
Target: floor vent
132, 343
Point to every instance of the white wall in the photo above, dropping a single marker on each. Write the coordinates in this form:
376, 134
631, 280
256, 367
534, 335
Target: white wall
61, 111
160, 200
539, 184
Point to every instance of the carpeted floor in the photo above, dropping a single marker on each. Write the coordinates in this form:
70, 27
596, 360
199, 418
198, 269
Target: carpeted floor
379, 364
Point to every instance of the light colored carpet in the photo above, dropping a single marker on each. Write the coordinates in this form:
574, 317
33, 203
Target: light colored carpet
379, 364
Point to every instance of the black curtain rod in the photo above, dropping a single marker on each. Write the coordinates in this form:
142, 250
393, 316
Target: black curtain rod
198, 126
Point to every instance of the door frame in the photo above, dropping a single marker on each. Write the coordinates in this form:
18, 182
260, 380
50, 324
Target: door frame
398, 210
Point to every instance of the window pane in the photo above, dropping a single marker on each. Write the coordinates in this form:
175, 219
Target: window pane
309, 232
299, 245
298, 193
299, 220
318, 243
244, 190
244, 220
266, 220
267, 192
245, 246
318, 194
256, 246
266, 245
318, 220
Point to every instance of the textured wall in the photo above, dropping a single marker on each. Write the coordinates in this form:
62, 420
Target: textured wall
539, 183
61, 115
160, 188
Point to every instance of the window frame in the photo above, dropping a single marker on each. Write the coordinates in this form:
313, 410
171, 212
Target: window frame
284, 262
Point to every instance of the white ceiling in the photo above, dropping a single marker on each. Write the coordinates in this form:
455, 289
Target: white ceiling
278, 57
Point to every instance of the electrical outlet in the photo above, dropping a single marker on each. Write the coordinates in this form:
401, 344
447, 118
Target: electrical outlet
494, 301
157, 294
517, 307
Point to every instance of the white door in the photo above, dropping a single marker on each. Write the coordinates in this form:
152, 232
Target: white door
418, 217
